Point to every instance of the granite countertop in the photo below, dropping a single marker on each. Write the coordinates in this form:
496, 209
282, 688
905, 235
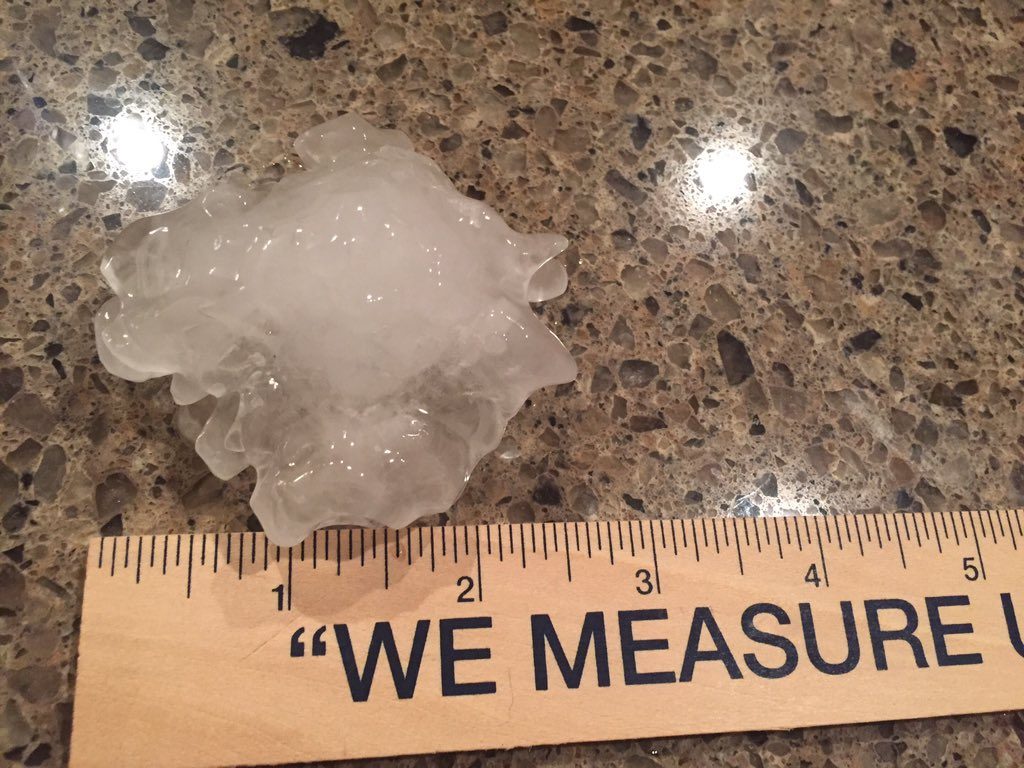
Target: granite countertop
831, 319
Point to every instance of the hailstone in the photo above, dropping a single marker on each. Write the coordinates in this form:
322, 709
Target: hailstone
359, 332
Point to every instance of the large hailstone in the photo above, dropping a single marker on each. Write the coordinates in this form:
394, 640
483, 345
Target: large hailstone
361, 330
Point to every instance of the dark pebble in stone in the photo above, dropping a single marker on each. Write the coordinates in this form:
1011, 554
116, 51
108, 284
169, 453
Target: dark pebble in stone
36, 684
53, 348
625, 187
1017, 477
768, 484
112, 221
913, 300
50, 475
966, 388
205, 490
113, 527
943, 396
102, 105
933, 498
961, 143
735, 360
30, 413
451, 143
233, 62
513, 131
8, 486
12, 588
546, 492
38, 756
640, 133
789, 140
11, 380
693, 497
828, 123
141, 26
803, 193
576, 24
981, 220
903, 499
927, 433
495, 23
623, 239
253, 524
312, 42
933, 214
637, 373
602, 381
393, 69
865, 340
152, 49
646, 423
699, 326
633, 502
16, 517
902, 54
115, 494
147, 195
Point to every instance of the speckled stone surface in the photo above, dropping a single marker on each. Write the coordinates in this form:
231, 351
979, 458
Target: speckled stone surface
844, 333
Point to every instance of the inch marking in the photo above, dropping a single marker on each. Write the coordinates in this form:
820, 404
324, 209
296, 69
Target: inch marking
479, 574
654, 550
821, 549
977, 546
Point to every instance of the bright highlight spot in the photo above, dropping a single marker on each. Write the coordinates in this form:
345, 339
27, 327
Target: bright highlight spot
138, 146
722, 174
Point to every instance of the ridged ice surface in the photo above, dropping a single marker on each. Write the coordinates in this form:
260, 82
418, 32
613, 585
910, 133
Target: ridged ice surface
359, 332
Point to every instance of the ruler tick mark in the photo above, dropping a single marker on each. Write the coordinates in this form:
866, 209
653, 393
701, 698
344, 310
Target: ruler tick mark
860, 542
101, 552
999, 519
977, 546
432, 564
152, 550
704, 529
408, 546
373, 543
289, 578
682, 529
846, 524
127, 550
672, 528
654, 550
785, 524
597, 528
216, 547
714, 530
611, 543
554, 535
138, 562
725, 532
839, 533
917, 532
386, 575
938, 538
202, 551
767, 533
337, 551
479, 572
266, 552
568, 563
739, 549
799, 539
1009, 527
924, 525
113, 557
522, 544
899, 540
821, 549
488, 540
177, 552
991, 525
465, 538
164, 567
228, 536
419, 534
632, 548
315, 548
501, 547
757, 535
1016, 514
362, 547
252, 543
188, 588
241, 552
778, 538
590, 552
696, 544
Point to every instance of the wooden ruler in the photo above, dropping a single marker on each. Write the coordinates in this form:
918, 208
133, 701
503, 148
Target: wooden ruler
217, 650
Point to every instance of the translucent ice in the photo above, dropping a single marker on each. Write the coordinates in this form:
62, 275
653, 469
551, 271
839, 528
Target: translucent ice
359, 332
